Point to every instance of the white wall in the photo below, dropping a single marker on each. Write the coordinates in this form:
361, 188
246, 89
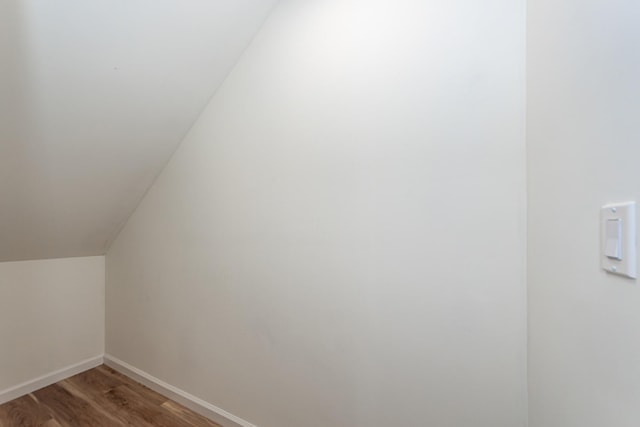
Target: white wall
340, 239
51, 316
95, 96
584, 146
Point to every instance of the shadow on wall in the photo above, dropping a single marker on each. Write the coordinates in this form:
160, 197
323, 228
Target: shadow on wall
21, 174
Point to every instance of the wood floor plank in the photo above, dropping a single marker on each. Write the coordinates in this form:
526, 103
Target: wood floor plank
96, 379
146, 392
142, 412
122, 404
100, 397
139, 407
97, 399
71, 411
25, 412
196, 420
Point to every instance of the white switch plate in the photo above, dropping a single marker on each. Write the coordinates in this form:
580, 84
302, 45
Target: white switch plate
618, 221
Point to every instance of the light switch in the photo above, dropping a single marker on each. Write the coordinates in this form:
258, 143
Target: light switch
613, 245
618, 237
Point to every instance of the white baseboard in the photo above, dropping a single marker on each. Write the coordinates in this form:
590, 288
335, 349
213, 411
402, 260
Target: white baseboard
46, 380
197, 405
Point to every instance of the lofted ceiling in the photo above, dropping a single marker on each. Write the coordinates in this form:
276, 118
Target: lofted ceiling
95, 96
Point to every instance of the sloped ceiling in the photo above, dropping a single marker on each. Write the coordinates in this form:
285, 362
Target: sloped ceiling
95, 96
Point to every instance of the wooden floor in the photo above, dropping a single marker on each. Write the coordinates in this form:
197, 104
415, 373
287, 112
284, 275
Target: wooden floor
96, 398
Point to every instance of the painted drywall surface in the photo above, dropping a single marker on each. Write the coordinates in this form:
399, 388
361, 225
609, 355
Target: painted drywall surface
51, 316
94, 98
340, 239
583, 150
